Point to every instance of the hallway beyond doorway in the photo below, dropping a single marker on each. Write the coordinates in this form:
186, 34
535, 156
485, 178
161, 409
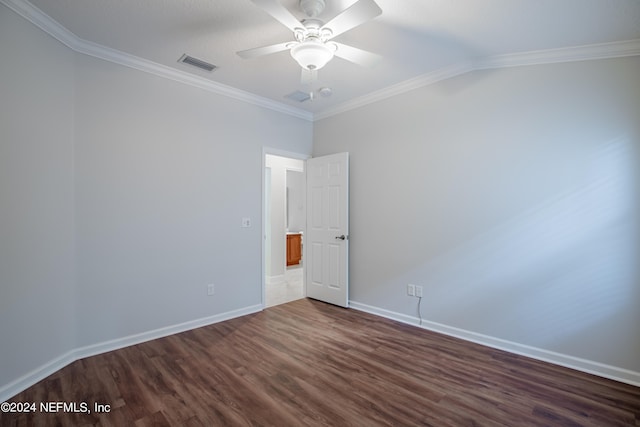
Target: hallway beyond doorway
290, 290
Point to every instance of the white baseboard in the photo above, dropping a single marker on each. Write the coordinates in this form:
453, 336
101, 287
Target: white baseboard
588, 366
630, 377
9, 390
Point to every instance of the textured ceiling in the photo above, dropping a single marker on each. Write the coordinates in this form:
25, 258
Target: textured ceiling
414, 37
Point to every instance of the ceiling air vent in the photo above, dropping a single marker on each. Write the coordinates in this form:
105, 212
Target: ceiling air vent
299, 96
203, 65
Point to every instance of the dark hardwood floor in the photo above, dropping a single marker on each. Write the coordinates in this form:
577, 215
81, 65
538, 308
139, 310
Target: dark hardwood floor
309, 363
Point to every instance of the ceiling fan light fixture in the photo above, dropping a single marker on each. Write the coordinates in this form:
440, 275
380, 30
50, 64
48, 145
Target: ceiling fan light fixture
312, 54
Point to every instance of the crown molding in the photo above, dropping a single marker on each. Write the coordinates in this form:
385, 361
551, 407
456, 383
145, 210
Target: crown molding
537, 57
42, 21
396, 89
69, 39
131, 61
566, 54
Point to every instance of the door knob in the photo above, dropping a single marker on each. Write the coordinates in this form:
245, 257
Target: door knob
342, 237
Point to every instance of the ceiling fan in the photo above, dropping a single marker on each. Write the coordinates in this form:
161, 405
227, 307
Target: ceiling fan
313, 47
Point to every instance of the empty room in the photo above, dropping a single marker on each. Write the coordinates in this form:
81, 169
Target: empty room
320, 212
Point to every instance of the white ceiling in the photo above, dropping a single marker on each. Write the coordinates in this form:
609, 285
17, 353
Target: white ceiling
414, 37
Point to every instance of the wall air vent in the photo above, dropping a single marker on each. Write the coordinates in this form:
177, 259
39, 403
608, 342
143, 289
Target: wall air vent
203, 65
299, 96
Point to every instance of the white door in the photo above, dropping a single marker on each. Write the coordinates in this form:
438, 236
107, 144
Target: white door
326, 240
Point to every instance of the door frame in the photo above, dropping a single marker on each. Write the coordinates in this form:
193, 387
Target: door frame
281, 153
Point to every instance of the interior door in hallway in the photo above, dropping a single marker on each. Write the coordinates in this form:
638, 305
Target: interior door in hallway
327, 237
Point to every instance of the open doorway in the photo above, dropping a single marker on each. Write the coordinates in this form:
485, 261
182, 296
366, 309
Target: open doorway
284, 226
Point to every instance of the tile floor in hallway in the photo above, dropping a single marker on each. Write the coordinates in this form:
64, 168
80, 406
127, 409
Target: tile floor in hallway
291, 289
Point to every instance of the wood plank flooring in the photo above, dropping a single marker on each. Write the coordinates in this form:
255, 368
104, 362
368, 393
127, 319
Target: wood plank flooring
306, 363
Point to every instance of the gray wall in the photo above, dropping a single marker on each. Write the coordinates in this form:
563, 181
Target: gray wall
512, 196
165, 174
296, 207
37, 287
147, 177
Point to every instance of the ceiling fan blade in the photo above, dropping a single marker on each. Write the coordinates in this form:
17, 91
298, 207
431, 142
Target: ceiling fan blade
264, 50
357, 56
308, 76
279, 12
358, 13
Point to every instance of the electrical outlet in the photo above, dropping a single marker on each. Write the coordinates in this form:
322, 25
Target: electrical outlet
419, 291
211, 289
246, 222
411, 290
